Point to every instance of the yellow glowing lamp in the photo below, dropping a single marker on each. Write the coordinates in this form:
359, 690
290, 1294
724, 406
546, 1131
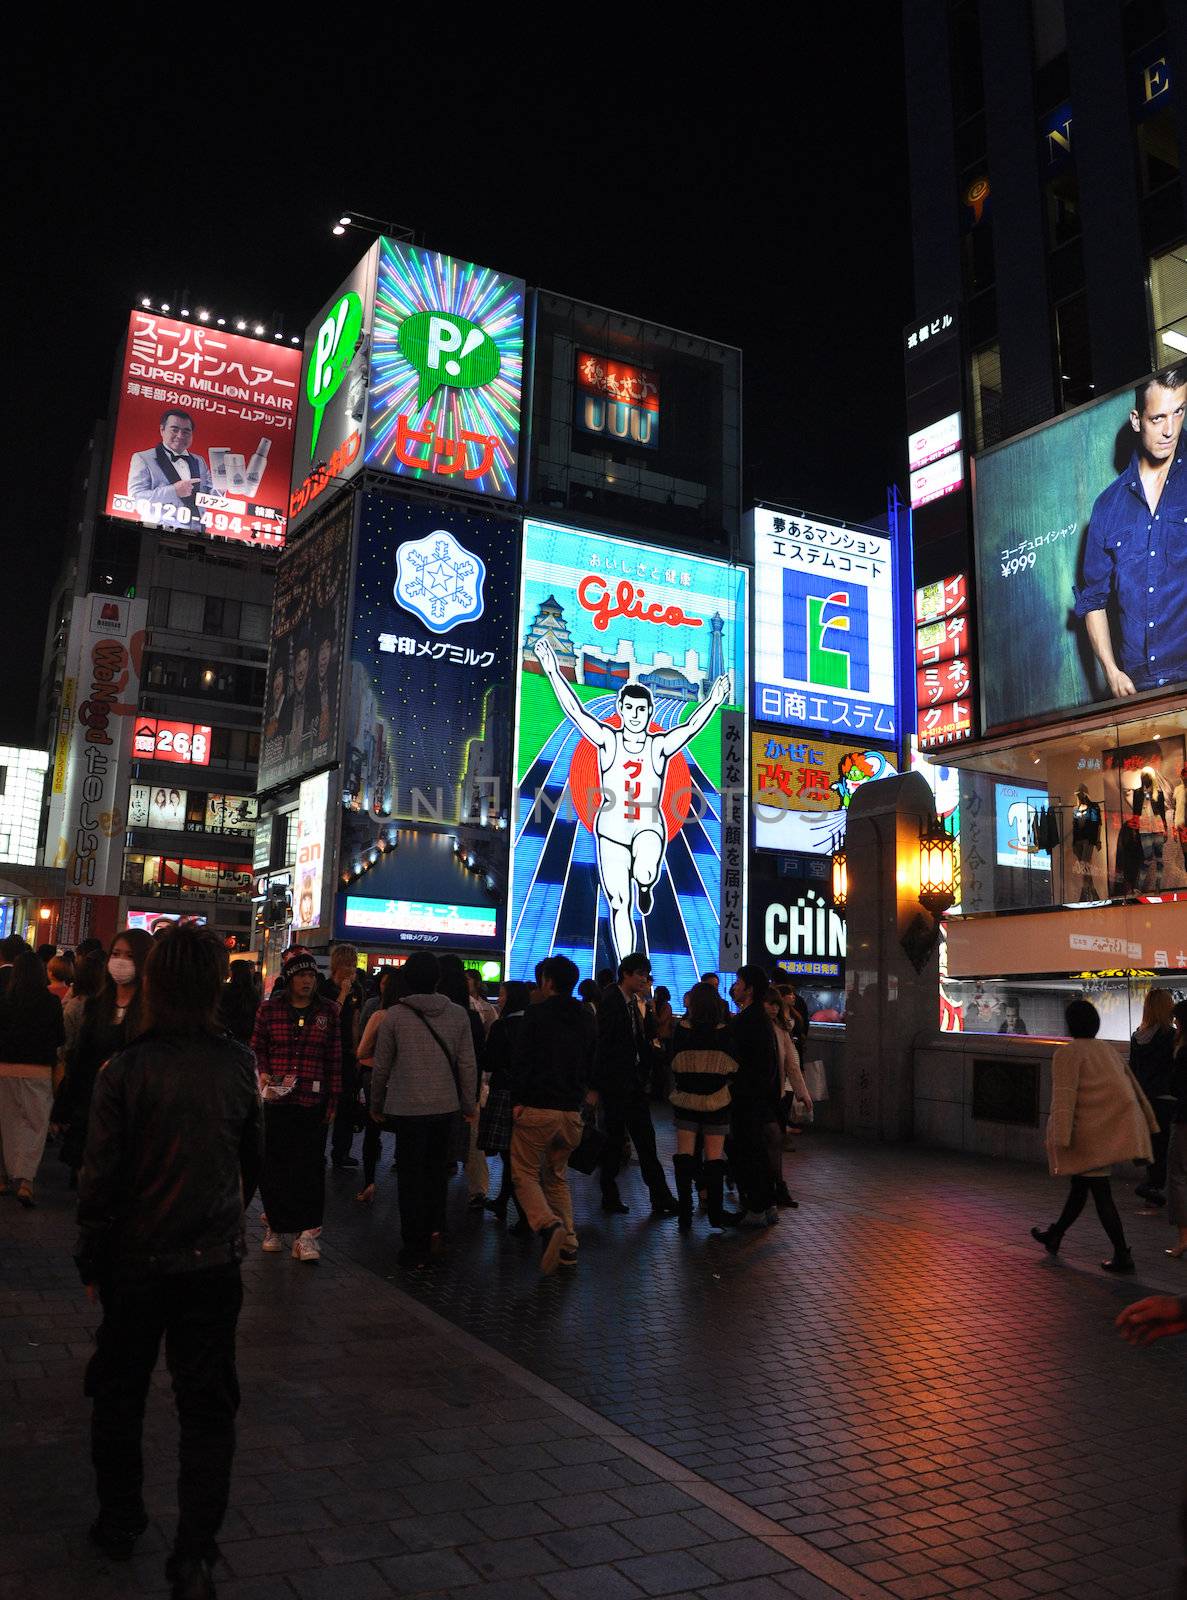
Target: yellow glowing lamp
840, 874
937, 867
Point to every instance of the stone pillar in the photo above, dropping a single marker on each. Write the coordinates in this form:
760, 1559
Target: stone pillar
887, 1002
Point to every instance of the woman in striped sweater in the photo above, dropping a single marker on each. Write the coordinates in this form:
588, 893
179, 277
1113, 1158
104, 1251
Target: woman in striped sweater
701, 1073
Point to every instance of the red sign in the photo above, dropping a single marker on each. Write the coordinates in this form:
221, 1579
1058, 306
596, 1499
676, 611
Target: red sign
946, 724
936, 686
204, 435
935, 601
628, 601
155, 740
615, 380
941, 641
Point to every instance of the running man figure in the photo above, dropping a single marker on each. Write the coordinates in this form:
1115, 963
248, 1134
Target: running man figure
629, 833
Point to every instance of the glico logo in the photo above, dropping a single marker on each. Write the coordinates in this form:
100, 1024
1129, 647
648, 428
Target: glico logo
826, 632
628, 601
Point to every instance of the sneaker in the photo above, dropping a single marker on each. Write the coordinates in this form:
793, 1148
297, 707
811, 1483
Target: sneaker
552, 1242
118, 1544
306, 1247
272, 1241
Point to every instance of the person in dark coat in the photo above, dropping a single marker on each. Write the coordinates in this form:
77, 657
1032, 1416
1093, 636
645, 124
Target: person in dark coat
31, 1033
172, 1157
621, 1081
754, 1096
240, 1000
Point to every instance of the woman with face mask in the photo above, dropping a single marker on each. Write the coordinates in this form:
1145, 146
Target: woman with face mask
111, 1019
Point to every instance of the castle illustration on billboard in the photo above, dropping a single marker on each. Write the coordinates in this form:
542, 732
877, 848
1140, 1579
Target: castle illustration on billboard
664, 677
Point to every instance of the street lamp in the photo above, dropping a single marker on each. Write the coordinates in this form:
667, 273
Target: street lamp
937, 867
840, 874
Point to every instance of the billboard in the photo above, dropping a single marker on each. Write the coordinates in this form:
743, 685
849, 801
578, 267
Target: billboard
87, 824
943, 663
312, 816
203, 439
823, 627
795, 928
156, 739
331, 415
628, 656
446, 371
428, 720
153, 805
800, 789
1079, 558
617, 400
305, 655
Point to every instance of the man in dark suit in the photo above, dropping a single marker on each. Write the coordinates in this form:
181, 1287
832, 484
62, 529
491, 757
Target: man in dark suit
621, 1077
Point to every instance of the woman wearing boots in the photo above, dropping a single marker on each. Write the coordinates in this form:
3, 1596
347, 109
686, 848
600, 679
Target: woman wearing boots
701, 1073
1099, 1115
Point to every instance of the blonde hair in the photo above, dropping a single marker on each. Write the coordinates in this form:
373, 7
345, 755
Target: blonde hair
1158, 1009
344, 955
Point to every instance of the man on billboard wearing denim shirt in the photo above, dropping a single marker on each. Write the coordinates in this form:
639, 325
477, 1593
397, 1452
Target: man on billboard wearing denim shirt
1136, 550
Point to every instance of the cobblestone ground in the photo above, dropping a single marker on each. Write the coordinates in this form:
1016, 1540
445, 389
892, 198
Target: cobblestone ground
893, 1392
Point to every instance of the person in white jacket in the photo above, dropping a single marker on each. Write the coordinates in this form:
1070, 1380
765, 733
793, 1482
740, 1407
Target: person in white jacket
1098, 1116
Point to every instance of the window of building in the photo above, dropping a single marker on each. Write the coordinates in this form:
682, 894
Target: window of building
1074, 351
1158, 150
1061, 199
987, 395
1168, 305
254, 624
186, 611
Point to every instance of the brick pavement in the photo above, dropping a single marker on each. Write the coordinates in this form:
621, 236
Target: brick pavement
892, 1393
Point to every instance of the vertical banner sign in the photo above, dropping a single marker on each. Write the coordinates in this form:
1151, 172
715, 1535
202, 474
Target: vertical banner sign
90, 841
62, 741
823, 626
943, 663
629, 655
446, 371
311, 851
204, 432
733, 839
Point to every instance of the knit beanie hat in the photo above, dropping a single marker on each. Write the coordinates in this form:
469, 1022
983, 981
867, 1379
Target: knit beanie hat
297, 961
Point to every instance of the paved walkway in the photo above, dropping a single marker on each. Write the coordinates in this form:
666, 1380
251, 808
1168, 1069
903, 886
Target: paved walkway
893, 1392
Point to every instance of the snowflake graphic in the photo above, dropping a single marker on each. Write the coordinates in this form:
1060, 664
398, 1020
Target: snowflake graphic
439, 581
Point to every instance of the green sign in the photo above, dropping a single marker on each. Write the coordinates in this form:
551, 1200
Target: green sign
445, 348
333, 351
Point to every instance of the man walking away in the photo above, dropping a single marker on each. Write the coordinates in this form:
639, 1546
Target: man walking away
172, 1157
550, 1071
622, 1075
755, 1093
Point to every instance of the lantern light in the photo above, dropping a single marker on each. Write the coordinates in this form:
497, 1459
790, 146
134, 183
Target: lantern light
840, 874
937, 867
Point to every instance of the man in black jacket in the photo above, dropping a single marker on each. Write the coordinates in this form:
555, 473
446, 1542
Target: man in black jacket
754, 1095
172, 1156
549, 1076
621, 1079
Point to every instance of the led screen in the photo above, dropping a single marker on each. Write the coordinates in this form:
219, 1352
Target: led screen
204, 432
628, 657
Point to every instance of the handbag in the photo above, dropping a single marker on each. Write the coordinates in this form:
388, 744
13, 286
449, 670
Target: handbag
588, 1154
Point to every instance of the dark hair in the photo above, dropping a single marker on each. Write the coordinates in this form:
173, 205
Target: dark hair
28, 978
517, 996
588, 990
756, 980
86, 947
708, 977
637, 691
88, 974
637, 962
45, 952
175, 411
11, 947
703, 1006
605, 977
451, 980
1172, 377
392, 987
183, 980
421, 972
662, 994
1179, 1017
561, 973
1083, 1020
245, 975
101, 1006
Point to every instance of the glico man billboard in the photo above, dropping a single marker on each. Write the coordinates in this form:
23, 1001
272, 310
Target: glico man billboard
414, 368
1081, 533
631, 660
824, 629
204, 432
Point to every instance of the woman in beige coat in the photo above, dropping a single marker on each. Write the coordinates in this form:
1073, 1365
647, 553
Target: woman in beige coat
1098, 1116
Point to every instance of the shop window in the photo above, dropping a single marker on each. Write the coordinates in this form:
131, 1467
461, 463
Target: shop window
1168, 303
987, 396
1074, 351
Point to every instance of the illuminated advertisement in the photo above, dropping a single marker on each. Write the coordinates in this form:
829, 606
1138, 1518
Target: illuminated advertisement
1079, 583
446, 371
419, 921
204, 432
428, 711
230, 813
800, 789
87, 822
305, 655
158, 921
823, 627
617, 400
155, 806
629, 654
1145, 833
943, 663
154, 739
312, 807
795, 928
936, 480
331, 415
1020, 824
929, 444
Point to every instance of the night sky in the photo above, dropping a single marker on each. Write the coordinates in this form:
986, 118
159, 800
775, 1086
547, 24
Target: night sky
750, 187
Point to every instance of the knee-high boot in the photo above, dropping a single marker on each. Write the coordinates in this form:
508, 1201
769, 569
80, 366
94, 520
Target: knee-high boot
719, 1217
684, 1168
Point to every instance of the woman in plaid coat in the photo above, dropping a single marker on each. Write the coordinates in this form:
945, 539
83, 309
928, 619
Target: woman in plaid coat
494, 1125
